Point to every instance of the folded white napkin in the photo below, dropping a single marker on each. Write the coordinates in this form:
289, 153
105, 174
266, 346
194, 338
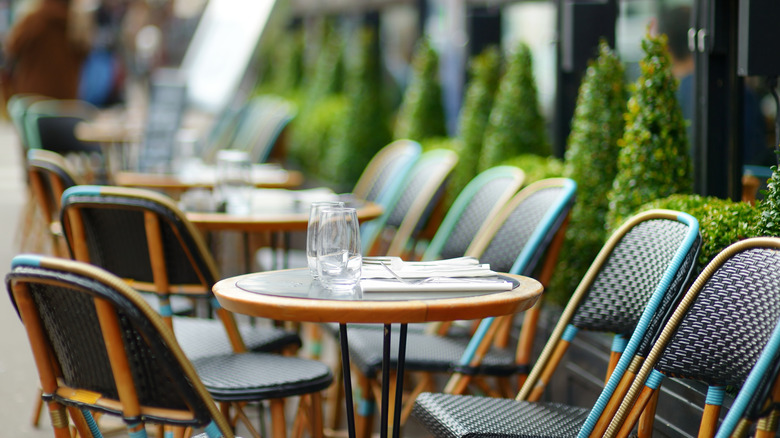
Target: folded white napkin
391, 274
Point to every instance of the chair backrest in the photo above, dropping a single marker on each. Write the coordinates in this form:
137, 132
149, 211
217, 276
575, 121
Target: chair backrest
407, 213
167, 103
51, 124
385, 173
17, 110
480, 200
515, 238
261, 126
724, 333
49, 175
628, 290
98, 346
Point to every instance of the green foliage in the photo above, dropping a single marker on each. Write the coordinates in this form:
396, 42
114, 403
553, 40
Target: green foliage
769, 221
653, 162
285, 74
311, 131
516, 125
328, 75
591, 161
722, 222
363, 129
421, 115
536, 167
485, 72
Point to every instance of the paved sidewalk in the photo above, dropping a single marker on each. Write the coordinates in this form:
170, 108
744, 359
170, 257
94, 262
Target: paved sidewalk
18, 376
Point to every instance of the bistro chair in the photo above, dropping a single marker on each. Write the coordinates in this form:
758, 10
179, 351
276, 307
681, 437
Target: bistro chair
523, 231
635, 280
411, 206
142, 237
260, 133
725, 334
100, 348
386, 172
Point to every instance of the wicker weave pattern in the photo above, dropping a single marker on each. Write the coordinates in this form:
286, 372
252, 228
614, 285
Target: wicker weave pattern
382, 179
263, 376
620, 292
517, 229
727, 327
411, 190
423, 353
472, 218
76, 337
453, 416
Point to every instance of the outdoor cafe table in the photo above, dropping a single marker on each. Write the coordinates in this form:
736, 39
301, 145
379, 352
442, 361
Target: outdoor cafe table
293, 295
272, 178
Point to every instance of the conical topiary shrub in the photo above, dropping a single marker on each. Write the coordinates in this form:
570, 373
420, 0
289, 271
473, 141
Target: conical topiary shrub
364, 128
591, 161
322, 105
485, 72
516, 125
653, 162
421, 115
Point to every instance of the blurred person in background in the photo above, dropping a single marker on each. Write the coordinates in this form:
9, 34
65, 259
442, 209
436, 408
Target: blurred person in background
45, 50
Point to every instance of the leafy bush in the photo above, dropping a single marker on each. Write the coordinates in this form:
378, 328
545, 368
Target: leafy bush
285, 74
653, 162
363, 130
536, 167
722, 222
769, 207
485, 72
591, 161
516, 125
311, 132
328, 75
421, 115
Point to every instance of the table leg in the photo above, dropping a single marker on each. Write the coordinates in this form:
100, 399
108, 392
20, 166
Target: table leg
385, 403
399, 385
347, 379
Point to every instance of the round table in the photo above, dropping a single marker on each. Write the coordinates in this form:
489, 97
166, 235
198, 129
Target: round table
293, 295
276, 179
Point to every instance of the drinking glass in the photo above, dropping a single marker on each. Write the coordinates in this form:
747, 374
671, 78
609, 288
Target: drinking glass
311, 233
234, 181
339, 259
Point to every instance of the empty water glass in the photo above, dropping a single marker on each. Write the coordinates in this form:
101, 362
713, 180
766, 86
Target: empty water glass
234, 181
339, 259
311, 233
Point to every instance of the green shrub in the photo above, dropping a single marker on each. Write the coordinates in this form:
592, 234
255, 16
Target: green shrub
485, 72
653, 162
536, 167
328, 75
285, 73
364, 129
311, 132
421, 115
769, 207
591, 161
722, 222
516, 125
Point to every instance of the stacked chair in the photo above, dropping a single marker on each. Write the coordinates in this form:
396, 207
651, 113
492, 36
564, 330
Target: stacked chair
142, 237
100, 348
386, 172
515, 240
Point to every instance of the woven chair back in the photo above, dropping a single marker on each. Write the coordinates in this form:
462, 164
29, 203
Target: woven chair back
99, 346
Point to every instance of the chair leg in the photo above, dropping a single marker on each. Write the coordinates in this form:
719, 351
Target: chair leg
315, 401
278, 425
336, 398
366, 406
37, 409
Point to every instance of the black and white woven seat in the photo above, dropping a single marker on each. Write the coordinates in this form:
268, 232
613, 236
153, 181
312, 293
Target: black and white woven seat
143, 238
514, 242
628, 290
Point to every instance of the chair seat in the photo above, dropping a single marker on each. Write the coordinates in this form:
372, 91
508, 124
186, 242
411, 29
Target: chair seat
200, 337
260, 376
460, 416
424, 352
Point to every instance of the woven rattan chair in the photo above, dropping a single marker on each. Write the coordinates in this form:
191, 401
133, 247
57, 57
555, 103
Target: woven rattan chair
521, 233
143, 238
49, 175
628, 290
386, 172
405, 215
725, 334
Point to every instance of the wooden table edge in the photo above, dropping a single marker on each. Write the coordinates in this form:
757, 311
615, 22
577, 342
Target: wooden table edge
240, 301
